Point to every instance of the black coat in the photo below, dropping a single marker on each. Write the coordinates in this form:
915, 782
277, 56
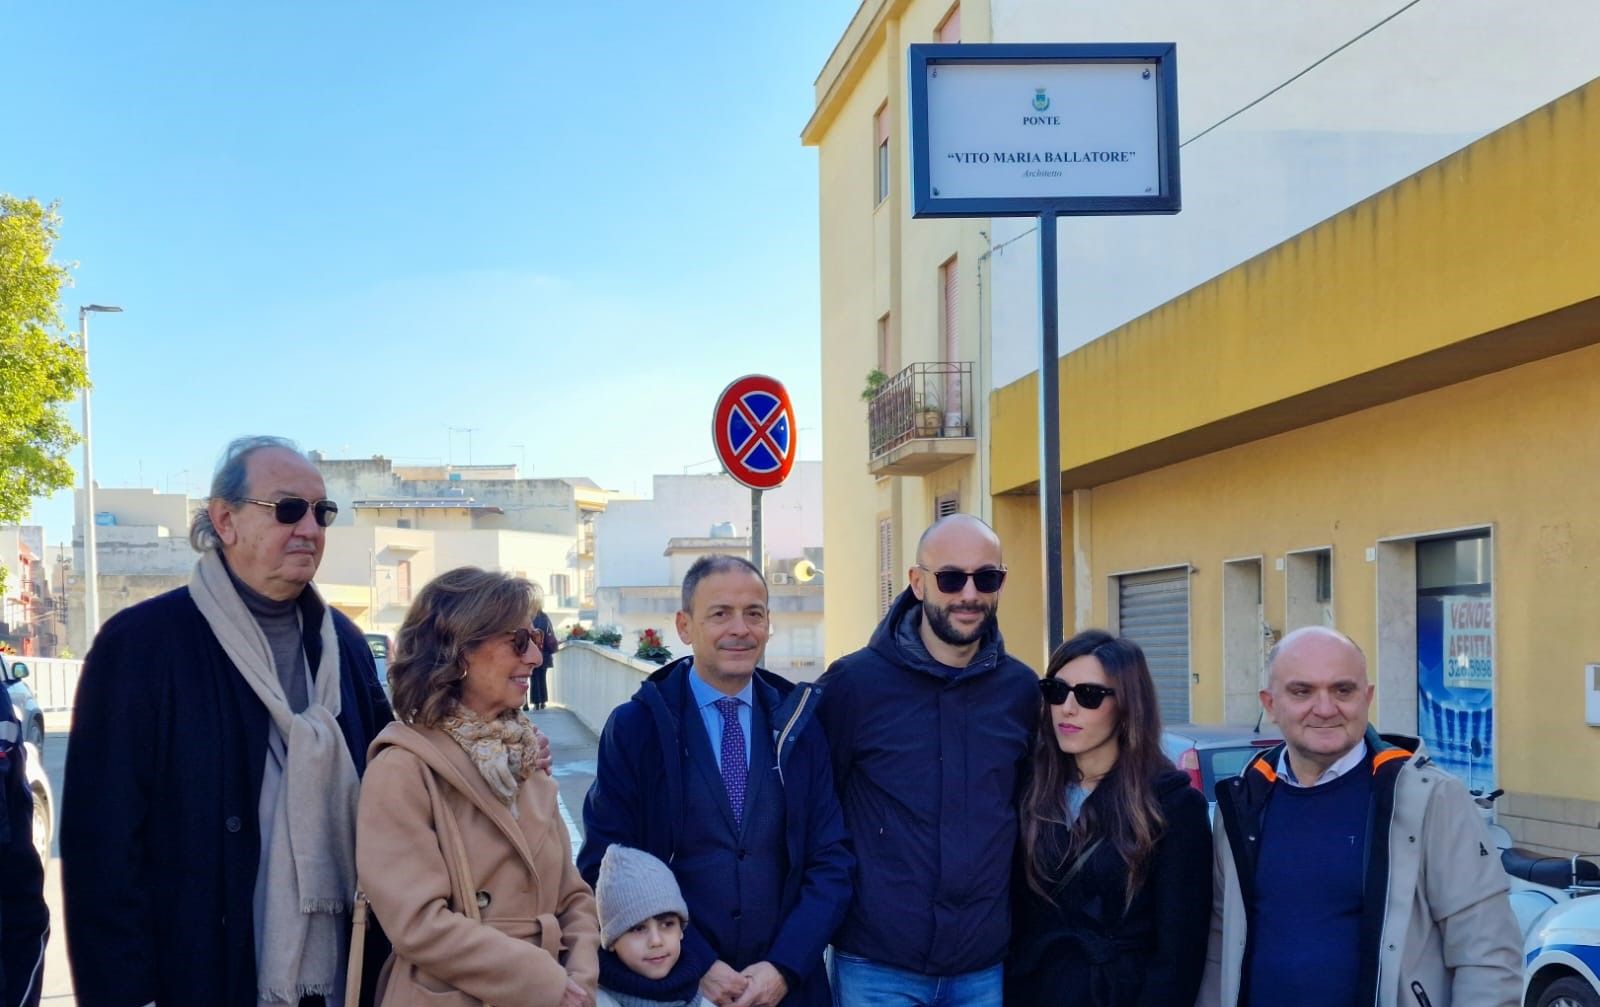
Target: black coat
929, 761
24, 920
160, 838
1085, 950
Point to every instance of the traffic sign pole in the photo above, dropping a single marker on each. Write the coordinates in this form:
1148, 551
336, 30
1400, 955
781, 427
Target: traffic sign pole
1050, 434
755, 532
753, 429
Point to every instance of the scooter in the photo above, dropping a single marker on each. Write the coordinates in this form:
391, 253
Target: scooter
1539, 882
1560, 927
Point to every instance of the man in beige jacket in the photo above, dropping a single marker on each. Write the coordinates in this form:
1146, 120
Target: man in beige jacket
1349, 869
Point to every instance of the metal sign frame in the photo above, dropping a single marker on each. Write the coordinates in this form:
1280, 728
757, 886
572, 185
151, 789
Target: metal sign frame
1162, 59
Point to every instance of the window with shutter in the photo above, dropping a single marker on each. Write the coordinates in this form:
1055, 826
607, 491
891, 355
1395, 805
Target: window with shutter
949, 275
880, 125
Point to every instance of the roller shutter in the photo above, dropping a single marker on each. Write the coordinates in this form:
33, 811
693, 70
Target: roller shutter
1153, 611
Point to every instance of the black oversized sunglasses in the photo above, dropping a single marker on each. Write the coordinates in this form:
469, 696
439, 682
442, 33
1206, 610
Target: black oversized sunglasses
1090, 696
987, 580
290, 510
521, 638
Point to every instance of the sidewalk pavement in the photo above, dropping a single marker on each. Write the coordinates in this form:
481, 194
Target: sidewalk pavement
571, 746
573, 749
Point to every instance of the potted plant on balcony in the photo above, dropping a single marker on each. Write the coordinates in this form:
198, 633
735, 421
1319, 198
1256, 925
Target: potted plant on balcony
875, 380
930, 420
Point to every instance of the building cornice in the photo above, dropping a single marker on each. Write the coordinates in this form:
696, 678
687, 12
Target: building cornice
848, 61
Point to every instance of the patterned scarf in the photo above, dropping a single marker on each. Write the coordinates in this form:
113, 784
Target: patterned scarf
503, 749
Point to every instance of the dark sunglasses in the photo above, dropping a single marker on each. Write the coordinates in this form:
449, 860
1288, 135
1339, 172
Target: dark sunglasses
1090, 696
987, 580
521, 638
290, 510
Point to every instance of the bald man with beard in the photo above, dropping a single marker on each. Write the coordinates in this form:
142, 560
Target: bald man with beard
929, 727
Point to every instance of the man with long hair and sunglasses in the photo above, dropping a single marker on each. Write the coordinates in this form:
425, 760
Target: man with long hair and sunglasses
930, 727
220, 730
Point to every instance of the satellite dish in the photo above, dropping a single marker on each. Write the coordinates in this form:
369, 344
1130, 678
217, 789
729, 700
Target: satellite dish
806, 571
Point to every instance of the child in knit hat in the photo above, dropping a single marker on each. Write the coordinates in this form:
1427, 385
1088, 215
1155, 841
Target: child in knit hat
642, 922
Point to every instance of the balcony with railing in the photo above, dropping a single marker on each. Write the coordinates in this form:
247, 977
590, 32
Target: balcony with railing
921, 420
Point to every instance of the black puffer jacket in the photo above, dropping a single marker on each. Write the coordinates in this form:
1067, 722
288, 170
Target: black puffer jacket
1085, 949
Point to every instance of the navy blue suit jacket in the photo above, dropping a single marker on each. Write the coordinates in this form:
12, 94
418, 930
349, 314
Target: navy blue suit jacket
638, 800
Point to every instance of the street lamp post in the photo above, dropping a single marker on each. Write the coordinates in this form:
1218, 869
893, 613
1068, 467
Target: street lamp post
91, 561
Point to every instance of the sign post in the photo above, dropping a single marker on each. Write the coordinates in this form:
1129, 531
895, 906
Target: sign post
753, 429
1045, 131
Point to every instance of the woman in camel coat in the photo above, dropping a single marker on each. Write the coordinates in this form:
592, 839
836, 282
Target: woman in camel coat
459, 844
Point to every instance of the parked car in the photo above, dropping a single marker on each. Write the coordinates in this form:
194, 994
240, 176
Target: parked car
12, 672
44, 803
380, 646
1211, 753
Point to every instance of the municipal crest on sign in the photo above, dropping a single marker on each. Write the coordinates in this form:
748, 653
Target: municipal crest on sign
754, 431
1041, 101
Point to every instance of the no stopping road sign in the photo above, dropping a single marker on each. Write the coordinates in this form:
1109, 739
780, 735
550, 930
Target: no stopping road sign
753, 429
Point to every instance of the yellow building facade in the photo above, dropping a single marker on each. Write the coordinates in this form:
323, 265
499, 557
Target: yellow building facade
1390, 424
901, 297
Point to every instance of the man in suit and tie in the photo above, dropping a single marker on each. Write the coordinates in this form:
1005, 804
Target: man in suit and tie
717, 767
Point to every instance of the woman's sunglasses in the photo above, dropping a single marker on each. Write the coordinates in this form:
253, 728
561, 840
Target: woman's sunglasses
987, 580
1090, 696
290, 510
521, 638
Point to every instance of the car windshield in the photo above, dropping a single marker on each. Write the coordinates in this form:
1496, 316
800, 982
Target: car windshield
380, 646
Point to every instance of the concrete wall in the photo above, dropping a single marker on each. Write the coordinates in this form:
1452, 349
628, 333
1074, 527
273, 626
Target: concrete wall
592, 681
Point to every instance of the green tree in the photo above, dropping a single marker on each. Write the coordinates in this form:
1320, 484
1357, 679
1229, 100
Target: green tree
41, 366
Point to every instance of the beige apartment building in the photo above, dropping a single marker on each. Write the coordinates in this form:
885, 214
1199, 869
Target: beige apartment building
900, 298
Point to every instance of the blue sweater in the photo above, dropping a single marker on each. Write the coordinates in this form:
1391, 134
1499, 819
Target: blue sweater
1308, 888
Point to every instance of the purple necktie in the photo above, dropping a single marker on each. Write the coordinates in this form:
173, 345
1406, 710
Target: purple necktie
734, 771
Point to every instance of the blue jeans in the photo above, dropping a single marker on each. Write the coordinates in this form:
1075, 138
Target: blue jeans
861, 982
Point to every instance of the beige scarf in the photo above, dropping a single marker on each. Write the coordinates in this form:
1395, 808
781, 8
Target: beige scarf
311, 865
503, 749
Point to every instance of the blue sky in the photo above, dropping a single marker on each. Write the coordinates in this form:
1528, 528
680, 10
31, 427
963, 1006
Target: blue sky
359, 225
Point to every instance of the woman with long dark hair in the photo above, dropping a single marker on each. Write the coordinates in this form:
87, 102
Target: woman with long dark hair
1113, 890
